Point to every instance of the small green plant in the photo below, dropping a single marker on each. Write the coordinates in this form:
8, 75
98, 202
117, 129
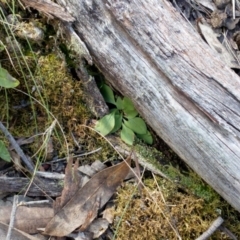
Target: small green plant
4, 153
6, 80
123, 116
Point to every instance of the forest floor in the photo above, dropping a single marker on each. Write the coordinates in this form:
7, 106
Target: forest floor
60, 177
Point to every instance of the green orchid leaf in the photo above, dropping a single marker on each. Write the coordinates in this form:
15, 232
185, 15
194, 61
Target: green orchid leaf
119, 103
130, 113
4, 153
127, 135
127, 104
106, 124
6, 80
108, 94
137, 125
147, 138
118, 121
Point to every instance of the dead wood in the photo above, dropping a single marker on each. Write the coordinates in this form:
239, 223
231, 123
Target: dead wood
39, 186
49, 8
149, 53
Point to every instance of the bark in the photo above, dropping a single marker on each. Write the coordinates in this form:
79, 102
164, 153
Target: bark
149, 53
39, 186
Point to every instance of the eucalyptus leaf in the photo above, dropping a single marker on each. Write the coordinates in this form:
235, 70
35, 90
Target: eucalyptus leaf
137, 125
106, 124
4, 153
6, 80
108, 94
127, 135
147, 138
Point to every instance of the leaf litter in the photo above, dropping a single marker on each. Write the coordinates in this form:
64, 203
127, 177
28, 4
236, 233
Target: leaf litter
95, 199
76, 209
82, 208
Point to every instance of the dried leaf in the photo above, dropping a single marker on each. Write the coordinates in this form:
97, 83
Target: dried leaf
17, 161
71, 185
93, 169
108, 212
81, 236
207, 4
87, 170
80, 208
27, 219
98, 227
98, 166
92, 214
16, 234
211, 38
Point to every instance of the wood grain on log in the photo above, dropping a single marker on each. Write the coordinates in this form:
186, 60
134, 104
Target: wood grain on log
149, 53
39, 186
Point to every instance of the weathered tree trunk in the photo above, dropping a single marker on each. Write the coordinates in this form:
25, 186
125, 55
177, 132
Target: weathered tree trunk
148, 52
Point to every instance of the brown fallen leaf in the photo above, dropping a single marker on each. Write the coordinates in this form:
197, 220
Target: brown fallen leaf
98, 227
27, 219
212, 39
80, 208
71, 185
15, 234
108, 212
97, 166
17, 161
92, 214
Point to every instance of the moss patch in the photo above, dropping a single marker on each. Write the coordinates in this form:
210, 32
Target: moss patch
161, 211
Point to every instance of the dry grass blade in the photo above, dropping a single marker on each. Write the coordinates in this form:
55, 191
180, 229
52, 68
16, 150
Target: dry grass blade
81, 209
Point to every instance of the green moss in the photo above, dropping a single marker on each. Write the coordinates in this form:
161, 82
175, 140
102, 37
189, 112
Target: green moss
188, 180
161, 210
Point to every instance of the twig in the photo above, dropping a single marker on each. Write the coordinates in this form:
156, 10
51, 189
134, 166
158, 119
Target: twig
51, 175
228, 232
13, 214
75, 141
233, 9
214, 226
16, 147
22, 203
138, 172
75, 156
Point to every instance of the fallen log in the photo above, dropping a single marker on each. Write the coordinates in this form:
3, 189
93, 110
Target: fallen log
37, 187
148, 52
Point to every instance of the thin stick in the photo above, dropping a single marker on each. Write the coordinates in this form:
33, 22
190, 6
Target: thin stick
228, 232
140, 183
75, 156
214, 226
16, 147
22, 203
13, 215
233, 9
